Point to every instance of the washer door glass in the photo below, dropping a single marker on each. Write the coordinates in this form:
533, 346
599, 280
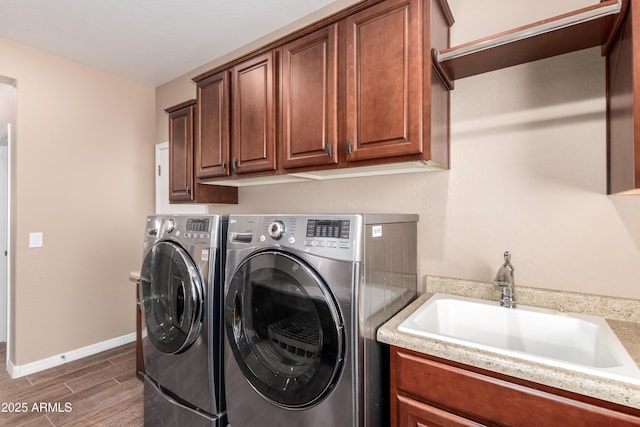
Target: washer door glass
172, 297
285, 329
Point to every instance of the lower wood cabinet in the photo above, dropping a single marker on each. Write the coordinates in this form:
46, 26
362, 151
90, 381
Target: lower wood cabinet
427, 391
413, 413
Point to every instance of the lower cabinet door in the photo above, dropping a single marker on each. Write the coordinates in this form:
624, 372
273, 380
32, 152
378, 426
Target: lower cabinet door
412, 413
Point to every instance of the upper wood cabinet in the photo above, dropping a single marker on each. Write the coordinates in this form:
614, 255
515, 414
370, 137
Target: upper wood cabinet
181, 151
212, 126
354, 89
623, 106
253, 146
309, 100
384, 80
183, 186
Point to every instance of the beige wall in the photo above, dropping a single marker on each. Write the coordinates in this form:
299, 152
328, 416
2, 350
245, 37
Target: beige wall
527, 172
83, 176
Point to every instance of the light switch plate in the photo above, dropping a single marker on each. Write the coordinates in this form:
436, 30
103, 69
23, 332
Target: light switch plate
35, 240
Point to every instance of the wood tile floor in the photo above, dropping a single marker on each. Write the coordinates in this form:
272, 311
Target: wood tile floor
98, 390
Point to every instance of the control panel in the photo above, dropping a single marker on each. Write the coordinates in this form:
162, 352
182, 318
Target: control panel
307, 232
337, 229
334, 236
193, 230
196, 228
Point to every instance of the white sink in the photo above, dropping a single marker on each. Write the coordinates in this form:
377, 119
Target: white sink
575, 341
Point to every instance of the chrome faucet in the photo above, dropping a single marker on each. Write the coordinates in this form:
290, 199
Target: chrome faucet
504, 279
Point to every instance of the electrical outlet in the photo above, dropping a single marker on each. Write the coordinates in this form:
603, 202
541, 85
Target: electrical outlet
35, 240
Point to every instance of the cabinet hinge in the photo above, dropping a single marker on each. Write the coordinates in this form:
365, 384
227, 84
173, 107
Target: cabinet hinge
159, 170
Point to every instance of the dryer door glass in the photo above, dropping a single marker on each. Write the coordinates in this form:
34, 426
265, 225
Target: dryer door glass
285, 329
172, 297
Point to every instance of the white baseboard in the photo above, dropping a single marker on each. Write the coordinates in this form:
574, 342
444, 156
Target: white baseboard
17, 371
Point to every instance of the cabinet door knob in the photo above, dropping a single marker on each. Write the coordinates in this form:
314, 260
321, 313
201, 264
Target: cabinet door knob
234, 164
187, 190
348, 146
224, 165
329, 150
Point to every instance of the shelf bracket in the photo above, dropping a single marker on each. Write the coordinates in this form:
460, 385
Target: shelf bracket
440, 71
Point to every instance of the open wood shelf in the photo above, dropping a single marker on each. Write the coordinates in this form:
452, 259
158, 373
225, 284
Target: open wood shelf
584, 28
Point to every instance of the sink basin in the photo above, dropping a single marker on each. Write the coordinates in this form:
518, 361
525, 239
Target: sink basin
575, 341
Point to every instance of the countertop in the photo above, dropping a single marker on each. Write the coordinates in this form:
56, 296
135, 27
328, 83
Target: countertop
134, 276
622, 315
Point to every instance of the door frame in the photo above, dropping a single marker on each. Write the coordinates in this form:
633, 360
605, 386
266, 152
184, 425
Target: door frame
161, 172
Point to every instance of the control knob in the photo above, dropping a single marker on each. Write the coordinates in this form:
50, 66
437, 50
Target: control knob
170, 226
276, 229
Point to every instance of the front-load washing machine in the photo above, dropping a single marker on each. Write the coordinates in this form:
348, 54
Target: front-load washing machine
182, 279
304, 296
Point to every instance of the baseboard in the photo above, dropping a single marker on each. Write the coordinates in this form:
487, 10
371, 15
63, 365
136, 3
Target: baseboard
17, 371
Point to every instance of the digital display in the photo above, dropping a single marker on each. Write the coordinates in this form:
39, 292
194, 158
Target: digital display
194, 224
335, 229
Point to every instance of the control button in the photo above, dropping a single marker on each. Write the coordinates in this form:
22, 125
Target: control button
178, 233
344, 245
311, 226
319, 243
263, 238
332, 244
187, 235
308, 242
202, 235
276, 229
292, 240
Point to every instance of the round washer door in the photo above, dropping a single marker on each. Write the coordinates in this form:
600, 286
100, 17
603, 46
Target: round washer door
172, 297
285, 329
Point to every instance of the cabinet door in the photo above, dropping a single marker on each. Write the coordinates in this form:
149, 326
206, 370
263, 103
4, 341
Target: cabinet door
412, 413
181, 152
384, 80
309, 100
212, 127
253, 142
474, 393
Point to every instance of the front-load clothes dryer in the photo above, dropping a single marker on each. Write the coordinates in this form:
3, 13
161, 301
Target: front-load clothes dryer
182, 279
304, 296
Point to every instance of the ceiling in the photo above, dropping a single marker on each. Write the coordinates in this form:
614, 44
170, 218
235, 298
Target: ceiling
147, 41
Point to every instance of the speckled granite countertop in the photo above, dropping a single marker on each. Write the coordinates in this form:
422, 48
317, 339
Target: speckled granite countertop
623, 316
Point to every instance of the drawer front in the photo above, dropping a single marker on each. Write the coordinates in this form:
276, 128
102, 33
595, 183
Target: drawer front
493, 401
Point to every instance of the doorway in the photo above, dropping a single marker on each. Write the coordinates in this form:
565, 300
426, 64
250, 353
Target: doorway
162, 187
8, 108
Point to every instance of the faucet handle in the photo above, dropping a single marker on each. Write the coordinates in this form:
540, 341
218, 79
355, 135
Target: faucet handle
504, 279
